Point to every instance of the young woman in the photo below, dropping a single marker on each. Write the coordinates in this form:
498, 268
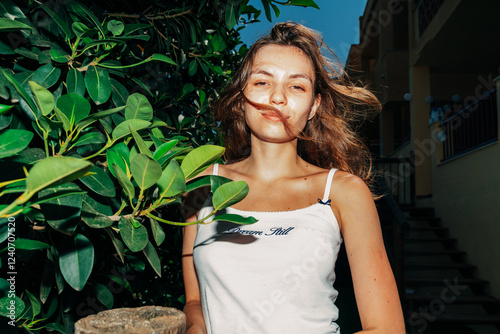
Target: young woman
285, 118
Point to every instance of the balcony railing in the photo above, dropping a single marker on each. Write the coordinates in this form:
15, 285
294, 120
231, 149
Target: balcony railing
474, 126
426, 10
399, 177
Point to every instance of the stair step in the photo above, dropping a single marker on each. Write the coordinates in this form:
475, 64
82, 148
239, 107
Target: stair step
458, 299
433, 281
428, 228
451, 252
424, 265
478, 319
431, 239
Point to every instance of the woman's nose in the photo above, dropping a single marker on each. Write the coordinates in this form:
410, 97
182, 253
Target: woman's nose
278, 95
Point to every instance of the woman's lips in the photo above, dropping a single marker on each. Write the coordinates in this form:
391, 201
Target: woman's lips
273, 116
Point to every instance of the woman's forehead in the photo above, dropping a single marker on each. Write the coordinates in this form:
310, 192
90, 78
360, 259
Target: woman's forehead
284, 57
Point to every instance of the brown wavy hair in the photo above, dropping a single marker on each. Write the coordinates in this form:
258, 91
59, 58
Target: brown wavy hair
328, 140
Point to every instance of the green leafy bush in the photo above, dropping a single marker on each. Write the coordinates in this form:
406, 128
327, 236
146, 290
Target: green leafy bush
102, 114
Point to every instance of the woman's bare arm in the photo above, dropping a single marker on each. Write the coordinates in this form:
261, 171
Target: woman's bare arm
374, 284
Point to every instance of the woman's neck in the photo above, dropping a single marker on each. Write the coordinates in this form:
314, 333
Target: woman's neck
272, 161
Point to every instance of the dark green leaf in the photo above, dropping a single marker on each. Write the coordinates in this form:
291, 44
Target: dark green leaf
143, 147
138, 107
267, 10
22, 92
98, 84
120, 248
158, 233
97, 116
74, 107
7, 25
60, 22
96, 214
124, 181
76, 259
172, 181
145, 171
136, 239
119, 93
75, 82
152, 257
36, 306
62, 213
103, 294
6, 302
193, 67
46, 76
163, 58
14, 141
99, 182
79, 29
49, 125
123, 129
231, 14
90, 138
63, 119
28, 244
303, 3
54, 170
59, 56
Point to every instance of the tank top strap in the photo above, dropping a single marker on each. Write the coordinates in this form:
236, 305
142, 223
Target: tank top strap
216, 169
328, 185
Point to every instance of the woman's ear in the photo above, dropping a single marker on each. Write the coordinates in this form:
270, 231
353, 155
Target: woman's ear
315, 106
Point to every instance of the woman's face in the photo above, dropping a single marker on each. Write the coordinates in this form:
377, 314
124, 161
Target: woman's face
280, 87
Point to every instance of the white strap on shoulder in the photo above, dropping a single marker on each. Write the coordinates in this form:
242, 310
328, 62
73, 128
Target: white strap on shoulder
216, 169
328, 185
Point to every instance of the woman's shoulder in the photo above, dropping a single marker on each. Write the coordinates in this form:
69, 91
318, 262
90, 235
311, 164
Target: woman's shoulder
349, 186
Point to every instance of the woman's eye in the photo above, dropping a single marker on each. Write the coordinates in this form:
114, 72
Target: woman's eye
298, 88
260, 83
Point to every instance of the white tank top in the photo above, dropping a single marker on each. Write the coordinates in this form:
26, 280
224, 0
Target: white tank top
272, 277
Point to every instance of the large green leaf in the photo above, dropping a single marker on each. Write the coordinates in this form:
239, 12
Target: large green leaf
99, 182
231, 14
97, 116
90, 138
172, 181
60, 22
303, 3
75, 82
46, 76
74, 107
14, 141
95, 214
36, 306
228, 194
24, 95
52, 171
115, 156
7, 25
43, 98
157, 231
61, 117
115, 27
135, 238
153, 258
237, 219
126, 184
98, 84
6, 302
164, 148
10, 10
76, 259
103, 294
145, 171
119, 93
62, 213
199, 159
141, 144
123, 129
138, 107
28, 244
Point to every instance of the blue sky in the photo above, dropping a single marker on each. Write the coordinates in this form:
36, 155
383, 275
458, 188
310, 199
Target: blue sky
337, 21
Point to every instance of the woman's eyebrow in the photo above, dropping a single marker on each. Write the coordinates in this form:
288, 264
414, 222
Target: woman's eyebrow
293, 76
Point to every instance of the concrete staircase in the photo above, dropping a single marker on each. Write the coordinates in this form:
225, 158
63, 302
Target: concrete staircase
441, 292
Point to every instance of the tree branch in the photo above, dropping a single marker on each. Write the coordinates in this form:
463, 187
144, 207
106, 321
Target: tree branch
158, 16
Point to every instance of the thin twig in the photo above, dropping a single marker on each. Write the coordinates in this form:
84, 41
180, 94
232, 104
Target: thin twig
150, 16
